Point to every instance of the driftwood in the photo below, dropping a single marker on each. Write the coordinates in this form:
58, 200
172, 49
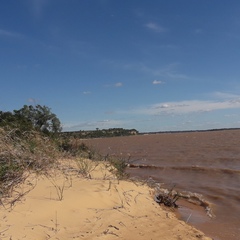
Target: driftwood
168, 199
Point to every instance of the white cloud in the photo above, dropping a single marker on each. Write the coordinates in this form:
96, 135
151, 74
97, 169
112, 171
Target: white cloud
155, 27
119, 84
165, 105
32, 100
155, 82
185, 107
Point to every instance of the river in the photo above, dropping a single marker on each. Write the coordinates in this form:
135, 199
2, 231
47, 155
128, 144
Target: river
206, 163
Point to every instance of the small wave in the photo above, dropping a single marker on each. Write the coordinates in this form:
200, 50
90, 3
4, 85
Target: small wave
186, 168
191, 197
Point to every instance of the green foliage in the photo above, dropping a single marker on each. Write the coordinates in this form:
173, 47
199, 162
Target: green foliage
111, 132
119, 167
74, 147
37, 117
10, 120
41, 118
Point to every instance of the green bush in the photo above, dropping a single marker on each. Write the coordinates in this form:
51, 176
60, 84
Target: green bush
119, 167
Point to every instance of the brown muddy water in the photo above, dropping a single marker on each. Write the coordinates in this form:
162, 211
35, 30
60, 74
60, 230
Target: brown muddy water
206, 163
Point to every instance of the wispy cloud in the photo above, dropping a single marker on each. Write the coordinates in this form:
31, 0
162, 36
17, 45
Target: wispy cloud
33, 100
155, 27
165, 71
177, 115
224, 95
91, 125
231, 115
86, 92
168, 71
12, 34
109, 112
37, 6
156, 82
198, 31
185, 107
119, 84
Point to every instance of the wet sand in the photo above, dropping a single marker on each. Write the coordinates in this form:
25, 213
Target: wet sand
206, 163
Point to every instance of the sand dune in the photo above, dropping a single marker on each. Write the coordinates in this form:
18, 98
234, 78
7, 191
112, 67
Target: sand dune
68, 206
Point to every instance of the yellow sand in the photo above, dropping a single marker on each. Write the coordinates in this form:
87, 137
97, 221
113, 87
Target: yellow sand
73, 207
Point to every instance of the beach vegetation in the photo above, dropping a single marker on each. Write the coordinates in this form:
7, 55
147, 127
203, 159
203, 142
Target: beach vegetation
119, 166
85, 166
30, 142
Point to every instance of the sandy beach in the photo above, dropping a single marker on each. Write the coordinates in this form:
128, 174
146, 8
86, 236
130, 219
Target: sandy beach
70, 206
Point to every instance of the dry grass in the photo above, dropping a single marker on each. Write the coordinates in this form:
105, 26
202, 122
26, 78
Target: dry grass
85, 167
21, 153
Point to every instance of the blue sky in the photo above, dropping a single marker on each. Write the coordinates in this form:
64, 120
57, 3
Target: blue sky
154, 65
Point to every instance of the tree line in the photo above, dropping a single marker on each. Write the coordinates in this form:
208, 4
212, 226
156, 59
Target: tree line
41, 118
98, 133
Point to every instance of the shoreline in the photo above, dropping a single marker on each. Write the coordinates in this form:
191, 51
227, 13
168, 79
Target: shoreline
61, 206
200, 162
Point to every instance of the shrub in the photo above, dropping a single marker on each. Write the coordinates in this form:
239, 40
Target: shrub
119, 165
19, 153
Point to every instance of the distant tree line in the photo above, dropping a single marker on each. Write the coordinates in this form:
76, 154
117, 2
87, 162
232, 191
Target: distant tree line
111, 132
39, 118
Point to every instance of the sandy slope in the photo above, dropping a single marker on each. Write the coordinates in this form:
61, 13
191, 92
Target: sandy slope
97, 208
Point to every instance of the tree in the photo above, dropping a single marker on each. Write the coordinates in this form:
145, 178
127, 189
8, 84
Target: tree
41, 118
31, 117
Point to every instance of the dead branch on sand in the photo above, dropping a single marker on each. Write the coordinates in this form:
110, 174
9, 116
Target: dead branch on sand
168, 199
